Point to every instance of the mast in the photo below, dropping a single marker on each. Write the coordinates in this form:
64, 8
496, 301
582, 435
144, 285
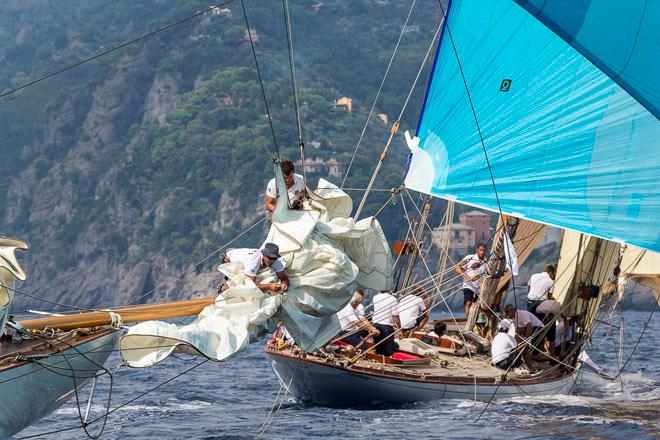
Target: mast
495, 270
418, 234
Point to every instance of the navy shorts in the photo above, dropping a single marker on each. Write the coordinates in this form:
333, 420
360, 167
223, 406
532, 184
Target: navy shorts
469, 296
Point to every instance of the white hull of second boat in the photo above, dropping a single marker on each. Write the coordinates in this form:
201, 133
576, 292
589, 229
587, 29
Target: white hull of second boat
30, 391
325, 384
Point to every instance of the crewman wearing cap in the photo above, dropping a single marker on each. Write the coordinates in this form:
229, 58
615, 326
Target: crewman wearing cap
254, 260
503, 347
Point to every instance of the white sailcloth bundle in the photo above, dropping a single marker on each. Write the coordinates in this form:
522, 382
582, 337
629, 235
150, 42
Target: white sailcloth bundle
327, 256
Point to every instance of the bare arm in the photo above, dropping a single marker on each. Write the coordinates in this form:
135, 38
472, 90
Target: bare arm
284, 281
270, 203
426, 311
460, 268
364, 323
397, 321
272, 287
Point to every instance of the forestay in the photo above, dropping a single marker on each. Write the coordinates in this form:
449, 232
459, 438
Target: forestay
327, 256
567, 145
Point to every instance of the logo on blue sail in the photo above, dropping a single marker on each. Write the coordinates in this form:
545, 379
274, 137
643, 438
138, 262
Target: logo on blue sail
506, 85
633, 208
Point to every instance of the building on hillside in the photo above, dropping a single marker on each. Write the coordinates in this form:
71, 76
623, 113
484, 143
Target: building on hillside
411, 28
253, 33
383, 118
317, 6
479, 222
221, 12
461, 238
345, 102
335, 168
332, 167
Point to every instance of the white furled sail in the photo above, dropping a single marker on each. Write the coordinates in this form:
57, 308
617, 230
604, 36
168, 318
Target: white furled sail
567, 113
327, 256
10, 270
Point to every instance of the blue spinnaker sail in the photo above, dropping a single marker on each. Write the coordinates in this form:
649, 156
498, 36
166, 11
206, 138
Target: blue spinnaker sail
567, 145
620, 37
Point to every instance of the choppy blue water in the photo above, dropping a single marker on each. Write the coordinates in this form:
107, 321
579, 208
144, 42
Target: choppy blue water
231, 401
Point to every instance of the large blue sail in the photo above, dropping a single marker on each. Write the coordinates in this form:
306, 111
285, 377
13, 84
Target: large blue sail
567, 145
620, 37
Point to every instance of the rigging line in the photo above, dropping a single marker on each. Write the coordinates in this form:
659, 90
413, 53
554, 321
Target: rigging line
120, 406
395, 125
75, 383
481, 138
427, 224
362, 354
393, 335
269, 421
400, 294
618, 374
380, 88
192, 267
106, 52
451, 313
176, 277
528, 342
260, 140
421, 285
292, 68
37, 370
261, 83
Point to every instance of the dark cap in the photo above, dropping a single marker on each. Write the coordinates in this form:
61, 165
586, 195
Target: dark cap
271, 250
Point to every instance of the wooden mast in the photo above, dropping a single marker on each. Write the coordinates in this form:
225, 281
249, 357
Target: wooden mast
495, 270
127, 314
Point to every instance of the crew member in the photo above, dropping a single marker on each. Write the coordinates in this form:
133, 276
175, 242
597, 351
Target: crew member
439, 329
295, 188
414, 310
539, 286
503, 348
386, 320
354, 328
472, 267
254, 260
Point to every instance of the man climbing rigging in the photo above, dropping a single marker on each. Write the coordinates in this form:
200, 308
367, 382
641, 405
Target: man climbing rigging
295, 187
472, 267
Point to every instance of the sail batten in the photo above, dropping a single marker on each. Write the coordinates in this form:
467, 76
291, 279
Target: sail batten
567, 145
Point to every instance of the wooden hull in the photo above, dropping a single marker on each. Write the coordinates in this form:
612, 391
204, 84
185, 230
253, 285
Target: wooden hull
326, 384
29, 391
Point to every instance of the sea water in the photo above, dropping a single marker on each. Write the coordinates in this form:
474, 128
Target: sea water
232, 400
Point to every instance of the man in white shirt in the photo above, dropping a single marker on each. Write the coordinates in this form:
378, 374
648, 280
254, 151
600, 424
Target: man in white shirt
503, 348
472, 268
548, 311
254, 260
295, 188
539, 286
354, 328
526, 326
526, 322
413, 309
386, 320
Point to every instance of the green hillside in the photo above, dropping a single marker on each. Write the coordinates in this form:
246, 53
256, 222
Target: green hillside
127, 169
